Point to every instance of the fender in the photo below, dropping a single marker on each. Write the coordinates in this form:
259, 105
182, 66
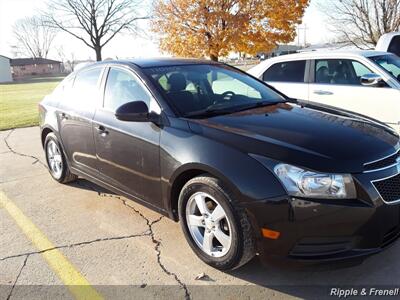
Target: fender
248, 179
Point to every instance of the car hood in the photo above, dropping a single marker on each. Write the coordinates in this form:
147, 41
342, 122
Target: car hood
315, 137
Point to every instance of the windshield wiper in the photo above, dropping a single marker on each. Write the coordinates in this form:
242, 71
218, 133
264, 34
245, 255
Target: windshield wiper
215, 110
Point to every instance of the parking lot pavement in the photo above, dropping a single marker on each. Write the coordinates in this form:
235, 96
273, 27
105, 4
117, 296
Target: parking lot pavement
54, 234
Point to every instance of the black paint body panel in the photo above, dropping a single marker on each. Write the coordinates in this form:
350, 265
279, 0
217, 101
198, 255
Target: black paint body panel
144, 161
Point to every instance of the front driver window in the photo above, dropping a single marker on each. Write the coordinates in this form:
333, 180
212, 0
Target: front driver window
122, 87
340, 71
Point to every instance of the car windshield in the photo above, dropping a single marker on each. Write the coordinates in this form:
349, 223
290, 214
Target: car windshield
206, 90
390, 63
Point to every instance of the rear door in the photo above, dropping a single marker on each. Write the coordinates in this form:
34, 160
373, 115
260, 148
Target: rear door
336, 82
128, 152
289, 77
75, 114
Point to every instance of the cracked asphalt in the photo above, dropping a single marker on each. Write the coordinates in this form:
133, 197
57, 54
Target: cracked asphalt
125, 250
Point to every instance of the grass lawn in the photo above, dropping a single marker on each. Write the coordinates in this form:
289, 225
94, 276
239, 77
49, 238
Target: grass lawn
18, 101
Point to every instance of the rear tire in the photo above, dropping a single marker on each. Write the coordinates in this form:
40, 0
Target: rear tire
206, 209
56, 162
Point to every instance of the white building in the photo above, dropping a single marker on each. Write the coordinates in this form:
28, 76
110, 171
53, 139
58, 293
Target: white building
5, 69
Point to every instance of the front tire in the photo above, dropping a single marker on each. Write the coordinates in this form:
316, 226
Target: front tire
218, 231
56, 161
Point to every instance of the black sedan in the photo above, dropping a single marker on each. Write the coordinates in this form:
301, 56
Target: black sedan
244, 168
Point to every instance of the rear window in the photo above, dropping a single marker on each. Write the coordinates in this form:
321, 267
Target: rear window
291, 71
394, 46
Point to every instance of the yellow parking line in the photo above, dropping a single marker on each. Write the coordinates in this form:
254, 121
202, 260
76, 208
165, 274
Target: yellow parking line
68, 274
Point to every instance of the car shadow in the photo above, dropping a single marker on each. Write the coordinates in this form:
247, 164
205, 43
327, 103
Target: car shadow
90, 186
315, 280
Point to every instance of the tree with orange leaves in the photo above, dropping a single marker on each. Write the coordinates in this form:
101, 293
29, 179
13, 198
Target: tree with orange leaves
213, 28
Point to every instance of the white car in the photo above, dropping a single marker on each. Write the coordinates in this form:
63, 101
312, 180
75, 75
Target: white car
366, 82
389, 42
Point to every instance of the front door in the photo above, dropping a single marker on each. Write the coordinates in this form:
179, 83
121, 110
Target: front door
75, 114
128, 152
337, 83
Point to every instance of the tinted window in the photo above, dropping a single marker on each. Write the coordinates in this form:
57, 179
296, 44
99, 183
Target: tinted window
86, 81
123, 87
193, 88
85, 90
394, 46
340, 71
63, 89
360, 69
292, 71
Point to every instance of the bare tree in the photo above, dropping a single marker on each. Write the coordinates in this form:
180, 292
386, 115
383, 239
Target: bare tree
33, 38
362, 22
94, 22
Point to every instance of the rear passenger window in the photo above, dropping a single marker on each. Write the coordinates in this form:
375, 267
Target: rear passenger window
122, 87
291, 71
86, 81
86, 87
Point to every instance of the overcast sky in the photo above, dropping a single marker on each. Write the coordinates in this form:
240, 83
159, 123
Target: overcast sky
124, 45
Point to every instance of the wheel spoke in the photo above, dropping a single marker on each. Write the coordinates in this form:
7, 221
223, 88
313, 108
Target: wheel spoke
50, 151
224, 239
194, 220
201, 204
207, 241
53, 165
54, 148
218, 213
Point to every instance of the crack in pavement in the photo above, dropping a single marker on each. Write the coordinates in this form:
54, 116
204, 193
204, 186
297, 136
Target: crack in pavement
36, 159
84, 243
19, 274
157, 243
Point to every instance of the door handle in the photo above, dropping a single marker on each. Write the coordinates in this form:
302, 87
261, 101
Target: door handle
320, 92
101, 130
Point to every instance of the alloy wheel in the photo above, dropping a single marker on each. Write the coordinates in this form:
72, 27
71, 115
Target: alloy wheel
54, 158
208, 224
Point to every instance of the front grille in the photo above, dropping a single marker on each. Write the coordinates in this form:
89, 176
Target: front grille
383, 163
389, 188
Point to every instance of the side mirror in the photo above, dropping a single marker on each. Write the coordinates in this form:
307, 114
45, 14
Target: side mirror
136, 111
371, 80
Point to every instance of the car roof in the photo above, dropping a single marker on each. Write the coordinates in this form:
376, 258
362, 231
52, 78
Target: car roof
330, 53
157, 62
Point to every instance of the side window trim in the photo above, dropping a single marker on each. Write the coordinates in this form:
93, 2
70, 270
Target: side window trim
103, 87
135, 76
312, 72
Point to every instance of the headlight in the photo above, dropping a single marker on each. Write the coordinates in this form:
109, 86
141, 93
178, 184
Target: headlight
303, 183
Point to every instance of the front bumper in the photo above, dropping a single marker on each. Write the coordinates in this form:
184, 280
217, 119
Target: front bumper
324, 230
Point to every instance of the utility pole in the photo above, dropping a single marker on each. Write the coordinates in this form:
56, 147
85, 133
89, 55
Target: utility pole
305, 35
299, 28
